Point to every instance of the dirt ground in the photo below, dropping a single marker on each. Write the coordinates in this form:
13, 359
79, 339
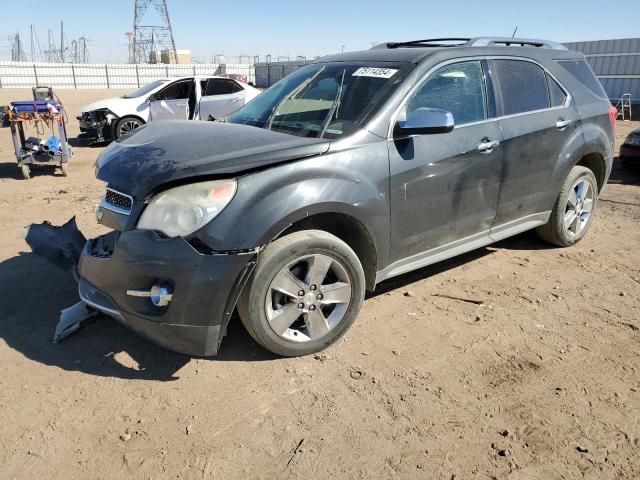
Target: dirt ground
542, 381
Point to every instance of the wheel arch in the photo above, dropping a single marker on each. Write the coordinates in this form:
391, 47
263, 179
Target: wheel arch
350, 230
596, 163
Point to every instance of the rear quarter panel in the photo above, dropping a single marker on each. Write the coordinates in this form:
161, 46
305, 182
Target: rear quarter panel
595, 129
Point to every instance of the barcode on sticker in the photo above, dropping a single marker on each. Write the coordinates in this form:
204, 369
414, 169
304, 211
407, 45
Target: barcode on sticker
375, 72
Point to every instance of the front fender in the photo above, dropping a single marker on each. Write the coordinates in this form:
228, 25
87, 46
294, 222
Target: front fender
353, 183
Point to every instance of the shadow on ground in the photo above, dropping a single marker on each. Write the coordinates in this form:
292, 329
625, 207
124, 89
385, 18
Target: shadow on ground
34, 292
11, 170
525, 241
629, 174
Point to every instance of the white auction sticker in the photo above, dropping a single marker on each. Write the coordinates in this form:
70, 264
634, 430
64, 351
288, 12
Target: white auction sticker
375, 72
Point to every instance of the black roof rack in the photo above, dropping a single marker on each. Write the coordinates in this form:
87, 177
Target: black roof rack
430, 42
473, 42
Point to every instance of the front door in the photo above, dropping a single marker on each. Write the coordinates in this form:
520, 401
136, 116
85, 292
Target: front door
444, 187
175, 101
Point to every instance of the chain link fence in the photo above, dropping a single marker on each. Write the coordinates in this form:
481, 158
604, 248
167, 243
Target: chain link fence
84, 76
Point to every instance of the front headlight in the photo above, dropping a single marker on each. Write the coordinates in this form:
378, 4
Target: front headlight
181, 211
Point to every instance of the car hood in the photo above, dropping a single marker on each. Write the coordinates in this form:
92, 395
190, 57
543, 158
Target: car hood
171, 150
119, 106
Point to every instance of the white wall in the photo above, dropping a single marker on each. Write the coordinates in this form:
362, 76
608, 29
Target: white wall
67, 75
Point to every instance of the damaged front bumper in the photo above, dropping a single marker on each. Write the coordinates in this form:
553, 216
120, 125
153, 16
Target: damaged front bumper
97, 125
205, 287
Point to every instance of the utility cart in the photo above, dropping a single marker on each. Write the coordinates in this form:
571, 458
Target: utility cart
43, 116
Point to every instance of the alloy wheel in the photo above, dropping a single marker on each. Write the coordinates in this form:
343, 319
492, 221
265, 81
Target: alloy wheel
128, 126
579, 207
308, 298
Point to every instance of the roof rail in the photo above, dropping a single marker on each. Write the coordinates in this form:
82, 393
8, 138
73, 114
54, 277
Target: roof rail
429, 42
514, 42
473, 42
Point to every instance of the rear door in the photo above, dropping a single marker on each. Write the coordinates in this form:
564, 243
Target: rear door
444, 187
538, 120
220, 97
172, 102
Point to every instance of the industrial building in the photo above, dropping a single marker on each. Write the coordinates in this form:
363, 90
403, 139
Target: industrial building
617, 65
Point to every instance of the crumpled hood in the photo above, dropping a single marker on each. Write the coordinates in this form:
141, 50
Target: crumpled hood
169, 150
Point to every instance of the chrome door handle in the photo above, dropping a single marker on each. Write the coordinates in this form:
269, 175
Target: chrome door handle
562, 124
487, 145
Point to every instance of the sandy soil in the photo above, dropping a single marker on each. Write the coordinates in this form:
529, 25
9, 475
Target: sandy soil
541, 382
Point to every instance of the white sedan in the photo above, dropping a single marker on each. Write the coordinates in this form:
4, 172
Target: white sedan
189, 98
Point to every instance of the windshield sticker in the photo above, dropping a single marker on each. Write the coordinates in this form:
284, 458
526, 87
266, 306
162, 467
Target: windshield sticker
375, 72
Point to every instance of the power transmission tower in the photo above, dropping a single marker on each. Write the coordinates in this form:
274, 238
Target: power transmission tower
52, 53
79, 51
35, 47
147, 39
84, 51
17, 50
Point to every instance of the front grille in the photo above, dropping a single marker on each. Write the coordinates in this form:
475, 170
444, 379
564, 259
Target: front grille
118, 202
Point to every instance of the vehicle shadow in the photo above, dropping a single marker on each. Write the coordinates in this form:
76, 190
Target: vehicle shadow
34, 292
624, 175
86, 142
524, 241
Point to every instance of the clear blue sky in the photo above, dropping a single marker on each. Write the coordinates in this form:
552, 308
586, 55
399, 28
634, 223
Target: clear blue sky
289, 27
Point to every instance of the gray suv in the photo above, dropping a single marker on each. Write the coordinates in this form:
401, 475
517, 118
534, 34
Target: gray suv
353, 169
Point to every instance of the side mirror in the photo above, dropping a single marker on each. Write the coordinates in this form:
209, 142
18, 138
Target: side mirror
425, 121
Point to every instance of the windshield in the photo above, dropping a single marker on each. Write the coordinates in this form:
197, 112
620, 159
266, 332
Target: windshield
144, 90
323, 100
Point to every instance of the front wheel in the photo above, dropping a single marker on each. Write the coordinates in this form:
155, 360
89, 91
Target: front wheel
126, 125
304, 294
573, 212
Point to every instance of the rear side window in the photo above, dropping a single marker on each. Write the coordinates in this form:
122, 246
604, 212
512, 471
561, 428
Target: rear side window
556, 93
520, 86
458, 88
219, 86
582, 71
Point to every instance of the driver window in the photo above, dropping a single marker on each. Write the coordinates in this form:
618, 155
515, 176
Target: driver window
176, 91
458, 88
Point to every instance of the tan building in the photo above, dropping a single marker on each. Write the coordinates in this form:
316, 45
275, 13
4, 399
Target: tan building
168, 56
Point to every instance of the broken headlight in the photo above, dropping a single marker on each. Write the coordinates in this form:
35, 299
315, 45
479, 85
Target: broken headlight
181, 211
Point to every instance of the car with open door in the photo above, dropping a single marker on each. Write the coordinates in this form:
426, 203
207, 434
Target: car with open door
186, 98
352, 170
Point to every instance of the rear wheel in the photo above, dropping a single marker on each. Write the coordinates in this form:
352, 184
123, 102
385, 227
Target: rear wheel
64, 166
26, 172
573, 212
127, 125
304, 294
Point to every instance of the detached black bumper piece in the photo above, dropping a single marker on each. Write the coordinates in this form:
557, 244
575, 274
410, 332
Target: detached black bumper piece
205, 288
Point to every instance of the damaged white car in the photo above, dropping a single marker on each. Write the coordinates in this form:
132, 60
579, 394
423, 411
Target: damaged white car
186, 98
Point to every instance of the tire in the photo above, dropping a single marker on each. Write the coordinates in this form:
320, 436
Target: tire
64, 166
564, 234
126, 125
26, 171
329, 310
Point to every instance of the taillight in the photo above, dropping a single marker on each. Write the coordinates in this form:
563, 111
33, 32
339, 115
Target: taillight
613, 116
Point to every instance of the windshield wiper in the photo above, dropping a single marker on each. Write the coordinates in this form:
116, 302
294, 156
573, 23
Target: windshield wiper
297, 90
334, 107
